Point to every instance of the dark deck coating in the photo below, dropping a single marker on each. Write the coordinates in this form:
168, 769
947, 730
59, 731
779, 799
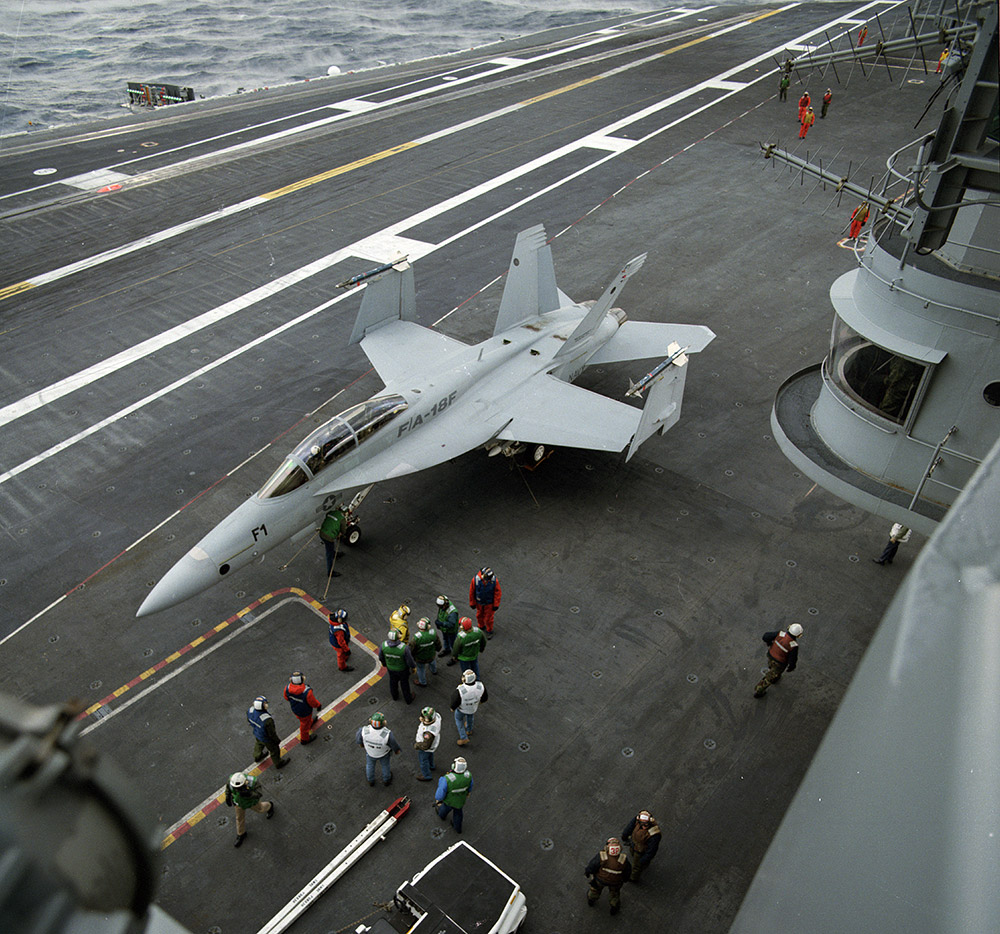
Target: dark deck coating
628, 640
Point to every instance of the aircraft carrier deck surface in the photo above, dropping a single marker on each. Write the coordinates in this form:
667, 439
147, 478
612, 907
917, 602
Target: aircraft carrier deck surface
170, 328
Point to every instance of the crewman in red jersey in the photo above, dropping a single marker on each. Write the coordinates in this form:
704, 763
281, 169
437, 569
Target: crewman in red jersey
804, 101
782, 656
303, 702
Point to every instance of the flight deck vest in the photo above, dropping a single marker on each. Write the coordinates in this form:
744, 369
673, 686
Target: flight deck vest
485, 589
612, 869
468, 645
782, 645
257, 719
470, 695
296, 695
424, 645
395, 656
443, 622
376, 741
458, 788
343, 629
641, 835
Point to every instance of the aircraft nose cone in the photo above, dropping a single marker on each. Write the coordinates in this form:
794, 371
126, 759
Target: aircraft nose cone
195, 572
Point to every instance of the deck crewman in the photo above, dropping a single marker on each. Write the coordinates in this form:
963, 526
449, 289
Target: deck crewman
264, 733
642, 834
447, 624
303, 702
827, 97
804, 102
465, 701
244, 793
470, 643
611, 868
330, 531
398, 621
484, 598
398, 660
340, 638
808, 119
379, 744
426, 741
782, 656
453, 791
424, 645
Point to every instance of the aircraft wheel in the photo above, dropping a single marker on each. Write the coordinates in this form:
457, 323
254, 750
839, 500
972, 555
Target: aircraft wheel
353, 534
538, 453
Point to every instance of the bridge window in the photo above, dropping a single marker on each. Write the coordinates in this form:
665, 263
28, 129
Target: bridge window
882, 381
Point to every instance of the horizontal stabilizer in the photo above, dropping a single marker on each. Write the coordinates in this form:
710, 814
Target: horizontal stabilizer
553, 412
388, 297
402, 349
637, 340
530, 289
663, 405
601, 307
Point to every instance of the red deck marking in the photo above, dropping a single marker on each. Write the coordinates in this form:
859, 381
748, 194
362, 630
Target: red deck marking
301, 595
199, 813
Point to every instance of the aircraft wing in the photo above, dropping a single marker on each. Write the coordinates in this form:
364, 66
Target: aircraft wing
547, 410
637, 340
544, 410
402, 348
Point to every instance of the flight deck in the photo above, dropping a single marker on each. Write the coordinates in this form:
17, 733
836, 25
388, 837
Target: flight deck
171, 329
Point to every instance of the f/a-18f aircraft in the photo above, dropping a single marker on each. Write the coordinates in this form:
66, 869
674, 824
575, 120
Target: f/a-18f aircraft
443, 397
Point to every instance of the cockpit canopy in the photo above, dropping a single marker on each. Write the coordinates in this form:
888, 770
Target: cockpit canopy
343, 433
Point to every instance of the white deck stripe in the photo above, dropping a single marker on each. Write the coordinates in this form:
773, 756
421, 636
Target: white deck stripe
393, 230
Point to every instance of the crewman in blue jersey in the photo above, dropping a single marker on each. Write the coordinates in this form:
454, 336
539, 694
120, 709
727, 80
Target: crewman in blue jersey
453, 791
264, 733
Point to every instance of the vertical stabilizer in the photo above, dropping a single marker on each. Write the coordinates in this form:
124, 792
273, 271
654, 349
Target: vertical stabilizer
531, 281
663, 404
601, 307
389, 297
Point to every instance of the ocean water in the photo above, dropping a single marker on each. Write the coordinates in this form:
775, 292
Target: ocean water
64, 62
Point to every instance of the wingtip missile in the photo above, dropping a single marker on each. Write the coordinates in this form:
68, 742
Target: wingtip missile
677, 358
362, 276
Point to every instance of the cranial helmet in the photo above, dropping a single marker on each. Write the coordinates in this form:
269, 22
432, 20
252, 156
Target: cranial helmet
795, 630
465, 623
459, 765
260, 703
487, 573
298, 677
238, 780
423, 624
644, 817
393, 635
339, 615
614, 846
378, 720
469, 676
427, 714
403, 611
442, 600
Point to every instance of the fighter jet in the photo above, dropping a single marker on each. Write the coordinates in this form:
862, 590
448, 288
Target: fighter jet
443, 397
